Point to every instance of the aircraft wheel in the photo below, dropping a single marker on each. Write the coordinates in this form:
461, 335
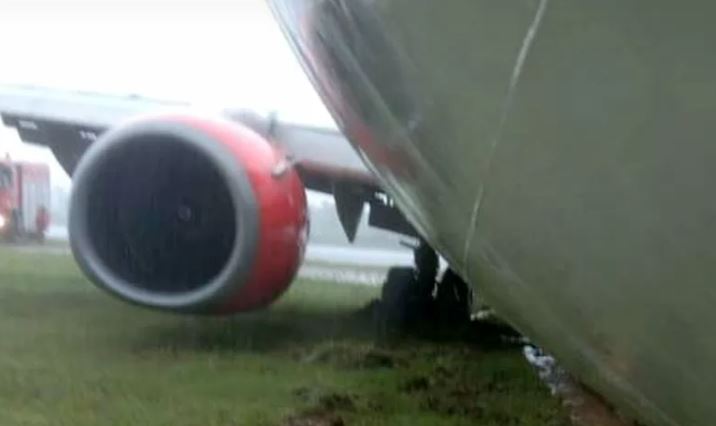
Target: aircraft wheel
453, 299
395, 296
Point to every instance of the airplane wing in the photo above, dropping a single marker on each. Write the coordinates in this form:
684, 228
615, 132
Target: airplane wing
70, 122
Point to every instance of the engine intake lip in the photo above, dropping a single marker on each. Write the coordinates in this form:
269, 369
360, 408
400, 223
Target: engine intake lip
233, 275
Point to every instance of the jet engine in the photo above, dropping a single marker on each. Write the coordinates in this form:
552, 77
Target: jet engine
188, 214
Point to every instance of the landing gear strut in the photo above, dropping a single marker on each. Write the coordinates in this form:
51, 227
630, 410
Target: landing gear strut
413, 296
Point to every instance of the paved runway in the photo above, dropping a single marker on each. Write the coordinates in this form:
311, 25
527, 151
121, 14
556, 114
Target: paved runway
328, 263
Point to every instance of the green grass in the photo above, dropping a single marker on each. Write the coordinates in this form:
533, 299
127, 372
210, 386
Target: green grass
71, 355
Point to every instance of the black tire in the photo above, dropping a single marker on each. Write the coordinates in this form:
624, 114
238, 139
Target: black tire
453, 299
399, 283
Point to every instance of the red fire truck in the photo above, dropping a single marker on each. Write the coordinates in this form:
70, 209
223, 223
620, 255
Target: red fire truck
24, 200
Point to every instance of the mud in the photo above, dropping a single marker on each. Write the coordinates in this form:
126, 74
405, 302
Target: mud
314, 418
446, 393
416, 384
451, 394
443, 391
350, 356
325, 400
324, 408
484, 332
586, 408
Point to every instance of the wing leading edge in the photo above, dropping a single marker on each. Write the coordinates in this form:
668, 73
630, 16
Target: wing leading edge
69, 122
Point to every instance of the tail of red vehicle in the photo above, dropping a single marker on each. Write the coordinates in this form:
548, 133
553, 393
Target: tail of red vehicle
24, 200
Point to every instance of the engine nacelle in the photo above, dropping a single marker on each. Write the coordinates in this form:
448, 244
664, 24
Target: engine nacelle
188, 214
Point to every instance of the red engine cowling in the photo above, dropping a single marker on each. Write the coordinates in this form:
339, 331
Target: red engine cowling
188, 214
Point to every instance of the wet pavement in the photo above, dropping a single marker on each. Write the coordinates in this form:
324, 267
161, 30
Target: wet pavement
363, 269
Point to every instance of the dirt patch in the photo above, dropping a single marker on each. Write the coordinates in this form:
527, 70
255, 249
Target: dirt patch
589, 409
416, 384
445, 391
586, 408
352, 356
483, 331
314, 418
325, 400
324, 410
450, 391
455, 400
336, 401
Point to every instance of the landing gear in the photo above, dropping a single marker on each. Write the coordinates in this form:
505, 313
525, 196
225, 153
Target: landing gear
413, 297
453, 300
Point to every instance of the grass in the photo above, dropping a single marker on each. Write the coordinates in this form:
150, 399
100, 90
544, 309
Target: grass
71, 355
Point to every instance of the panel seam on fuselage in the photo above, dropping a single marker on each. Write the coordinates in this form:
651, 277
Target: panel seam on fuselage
506, 107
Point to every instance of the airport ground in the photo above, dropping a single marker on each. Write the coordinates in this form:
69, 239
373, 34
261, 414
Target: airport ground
72, 355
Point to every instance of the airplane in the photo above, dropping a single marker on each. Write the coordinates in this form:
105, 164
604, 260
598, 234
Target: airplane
556, 154
158, 185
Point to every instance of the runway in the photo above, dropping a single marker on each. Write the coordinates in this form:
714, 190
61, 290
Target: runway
341, 264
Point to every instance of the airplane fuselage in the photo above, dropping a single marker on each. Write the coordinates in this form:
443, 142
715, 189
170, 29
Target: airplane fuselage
559, 154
